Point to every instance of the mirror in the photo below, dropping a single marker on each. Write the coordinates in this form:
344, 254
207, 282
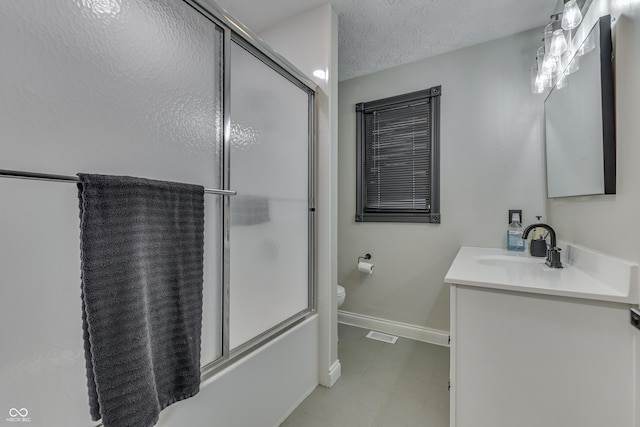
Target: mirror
580, 122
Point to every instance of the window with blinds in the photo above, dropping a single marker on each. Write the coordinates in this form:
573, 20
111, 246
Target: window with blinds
398, 158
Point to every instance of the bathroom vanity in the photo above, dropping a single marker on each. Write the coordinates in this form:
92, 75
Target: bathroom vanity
536, 346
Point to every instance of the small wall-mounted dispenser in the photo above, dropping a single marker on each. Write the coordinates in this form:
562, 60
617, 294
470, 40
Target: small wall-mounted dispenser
363, 265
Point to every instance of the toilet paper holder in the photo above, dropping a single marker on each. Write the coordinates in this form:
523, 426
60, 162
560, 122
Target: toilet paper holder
367, 256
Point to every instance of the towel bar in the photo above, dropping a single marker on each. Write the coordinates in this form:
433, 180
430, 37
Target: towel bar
67, 178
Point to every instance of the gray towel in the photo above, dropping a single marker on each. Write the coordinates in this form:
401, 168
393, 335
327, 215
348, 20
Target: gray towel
142, 246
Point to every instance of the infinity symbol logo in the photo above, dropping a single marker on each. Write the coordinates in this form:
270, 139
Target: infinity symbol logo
13, 412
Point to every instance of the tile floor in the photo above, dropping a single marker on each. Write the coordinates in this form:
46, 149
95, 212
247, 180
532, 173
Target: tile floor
382, 385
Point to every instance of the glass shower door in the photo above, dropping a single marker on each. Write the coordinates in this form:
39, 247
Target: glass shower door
269, 234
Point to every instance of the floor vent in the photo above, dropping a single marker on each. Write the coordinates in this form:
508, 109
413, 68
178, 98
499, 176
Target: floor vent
390, 339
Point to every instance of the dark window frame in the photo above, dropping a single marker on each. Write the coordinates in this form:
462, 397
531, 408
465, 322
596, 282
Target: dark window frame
432, 213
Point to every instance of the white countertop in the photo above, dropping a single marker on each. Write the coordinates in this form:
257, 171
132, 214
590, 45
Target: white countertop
500, 269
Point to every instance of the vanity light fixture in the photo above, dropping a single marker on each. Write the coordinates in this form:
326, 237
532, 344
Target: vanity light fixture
537, 81
558, 44
571, 17
553, 59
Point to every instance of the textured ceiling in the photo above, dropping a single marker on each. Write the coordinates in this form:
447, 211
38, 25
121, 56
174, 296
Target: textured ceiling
378, 34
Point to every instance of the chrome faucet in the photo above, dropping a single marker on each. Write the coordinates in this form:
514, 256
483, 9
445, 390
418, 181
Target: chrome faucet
553, 252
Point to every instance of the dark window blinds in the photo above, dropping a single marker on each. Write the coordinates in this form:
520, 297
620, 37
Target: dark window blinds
396, 158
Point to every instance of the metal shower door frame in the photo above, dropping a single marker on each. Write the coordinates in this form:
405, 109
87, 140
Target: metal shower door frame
235, 32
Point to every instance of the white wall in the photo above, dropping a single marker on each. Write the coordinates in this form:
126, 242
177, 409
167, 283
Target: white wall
491, 161
310, 42
610, 223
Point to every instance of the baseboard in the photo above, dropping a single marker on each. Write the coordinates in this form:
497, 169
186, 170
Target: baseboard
418, 333
334, 373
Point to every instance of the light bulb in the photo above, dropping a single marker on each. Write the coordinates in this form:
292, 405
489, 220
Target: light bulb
537, 83
558, 43
549, 64
571, 17
547, 36
540, 57
547, 80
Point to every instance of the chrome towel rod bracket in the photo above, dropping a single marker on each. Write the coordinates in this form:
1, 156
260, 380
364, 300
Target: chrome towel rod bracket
4, 173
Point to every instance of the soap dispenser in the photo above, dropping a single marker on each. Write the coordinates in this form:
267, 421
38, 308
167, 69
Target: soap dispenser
514, 234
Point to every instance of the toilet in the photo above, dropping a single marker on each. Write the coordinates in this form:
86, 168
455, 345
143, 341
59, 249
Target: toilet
341, 295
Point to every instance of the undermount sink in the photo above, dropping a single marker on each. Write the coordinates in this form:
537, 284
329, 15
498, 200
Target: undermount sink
503, 261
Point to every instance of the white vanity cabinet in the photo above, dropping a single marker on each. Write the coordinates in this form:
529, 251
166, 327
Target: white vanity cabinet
530, 355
